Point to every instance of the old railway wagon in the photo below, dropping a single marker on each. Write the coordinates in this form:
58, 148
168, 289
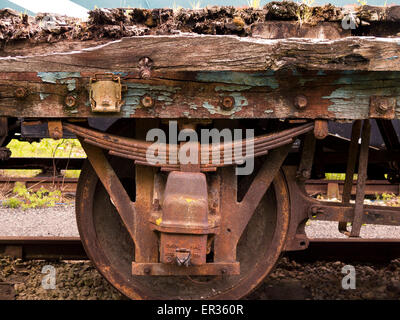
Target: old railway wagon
158, 227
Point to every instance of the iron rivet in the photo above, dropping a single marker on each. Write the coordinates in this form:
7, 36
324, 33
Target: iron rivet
147, 101
223, 270
227, 103
146, 270
70, 101
20, 93
300, 102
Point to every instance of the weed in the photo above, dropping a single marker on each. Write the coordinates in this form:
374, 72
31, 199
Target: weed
12, 203
195, 5
46, 148
26, 199
304, 11
175, 7
254, 3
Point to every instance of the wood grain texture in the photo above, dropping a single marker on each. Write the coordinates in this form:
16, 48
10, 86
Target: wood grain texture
213, 53
268, 94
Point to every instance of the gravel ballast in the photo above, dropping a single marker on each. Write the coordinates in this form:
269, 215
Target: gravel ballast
290, 280
60, 221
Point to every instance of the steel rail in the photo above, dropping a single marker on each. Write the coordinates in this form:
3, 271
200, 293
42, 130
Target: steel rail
313, 186
332, 249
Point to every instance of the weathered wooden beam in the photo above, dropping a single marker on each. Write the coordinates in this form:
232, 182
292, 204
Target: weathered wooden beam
327, 94
211, 53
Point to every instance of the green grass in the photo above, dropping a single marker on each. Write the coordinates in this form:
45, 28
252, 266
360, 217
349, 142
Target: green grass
65, 148
27, 199
338, 176
46, 148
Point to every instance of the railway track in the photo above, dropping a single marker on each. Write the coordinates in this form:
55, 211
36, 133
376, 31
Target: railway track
329, 187
348, 250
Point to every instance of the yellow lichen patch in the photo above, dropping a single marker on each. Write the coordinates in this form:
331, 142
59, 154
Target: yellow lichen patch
239, 23
158, 221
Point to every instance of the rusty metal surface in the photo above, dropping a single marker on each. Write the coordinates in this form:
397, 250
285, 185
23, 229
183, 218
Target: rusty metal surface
321, 129
304, 207
372, 187
46, 164
98, 234
297, 238
160, 269
382, 107
35, 183
350, 168
323, 249
113, 255
135, 149
205, 95
55, 129
105, 92
46, 248
361, 178
348, 250
183, 222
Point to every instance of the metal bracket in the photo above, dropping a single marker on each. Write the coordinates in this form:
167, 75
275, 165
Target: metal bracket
105, 92
55, 129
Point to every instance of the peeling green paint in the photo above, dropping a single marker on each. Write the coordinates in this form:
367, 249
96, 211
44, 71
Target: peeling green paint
52, 77
240, 102
261, 79
60, 77
43, 95
211, 109
138, 90
232, 88
193, 106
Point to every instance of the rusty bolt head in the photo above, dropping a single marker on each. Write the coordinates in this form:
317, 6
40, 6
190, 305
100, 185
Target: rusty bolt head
382, 106
300, 102
223, 270
21, 93
147, 270
305, 174
70, 101
147, 101
145, 74
227, 103
145, 65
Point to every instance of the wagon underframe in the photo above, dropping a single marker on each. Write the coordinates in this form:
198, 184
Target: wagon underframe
233, 230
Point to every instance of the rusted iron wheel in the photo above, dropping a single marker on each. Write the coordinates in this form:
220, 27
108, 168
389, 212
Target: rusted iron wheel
110, 248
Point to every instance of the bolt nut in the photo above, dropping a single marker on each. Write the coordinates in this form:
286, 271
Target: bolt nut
145, 65
147, 270
21, 93
305, 173
147, 101
223, 270
227, 103
70, 101
382, 106
300, 102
